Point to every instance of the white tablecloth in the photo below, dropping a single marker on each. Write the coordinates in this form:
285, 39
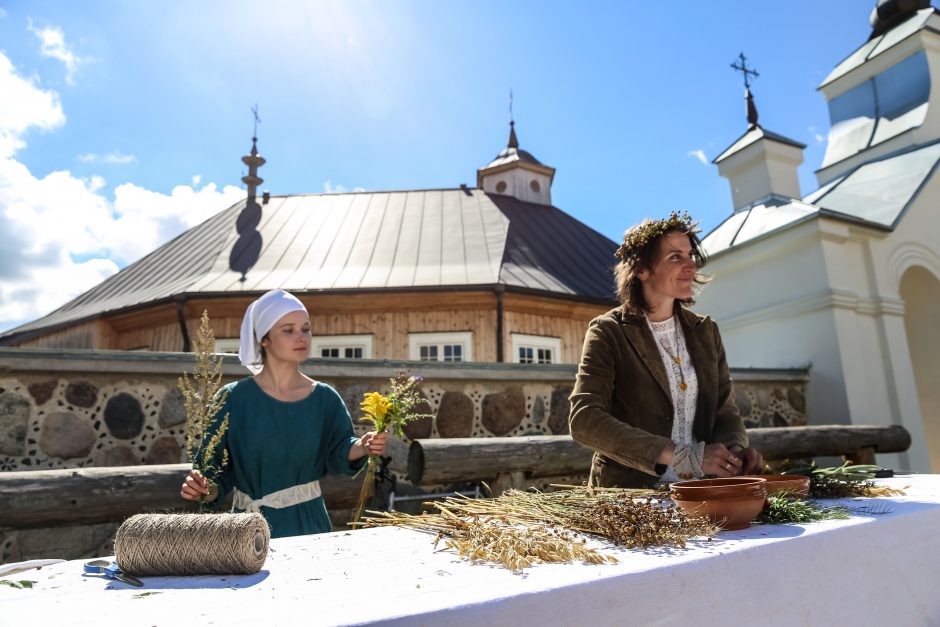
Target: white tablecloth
870, 570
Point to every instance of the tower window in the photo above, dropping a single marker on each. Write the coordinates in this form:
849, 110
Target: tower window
501, 187
534, 186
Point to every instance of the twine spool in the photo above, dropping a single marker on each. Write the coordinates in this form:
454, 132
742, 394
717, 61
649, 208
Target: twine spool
192, 544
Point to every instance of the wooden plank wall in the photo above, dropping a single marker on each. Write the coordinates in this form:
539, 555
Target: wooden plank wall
390, 317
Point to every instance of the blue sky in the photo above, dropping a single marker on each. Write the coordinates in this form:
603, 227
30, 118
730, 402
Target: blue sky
123, 123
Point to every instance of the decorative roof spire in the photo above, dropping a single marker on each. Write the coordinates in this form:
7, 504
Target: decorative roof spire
247, 247
751, 109
253, 161
513, 141
748, 96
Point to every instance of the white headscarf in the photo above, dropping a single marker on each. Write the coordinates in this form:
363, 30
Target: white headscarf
260, 316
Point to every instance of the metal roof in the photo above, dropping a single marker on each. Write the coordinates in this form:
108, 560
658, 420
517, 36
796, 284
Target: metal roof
423, 239
752, 135
876, 193
881, 43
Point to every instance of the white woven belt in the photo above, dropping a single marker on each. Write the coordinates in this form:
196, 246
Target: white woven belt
293, 495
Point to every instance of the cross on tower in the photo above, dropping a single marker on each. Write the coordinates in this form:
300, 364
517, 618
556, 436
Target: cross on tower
744, 69
254, 111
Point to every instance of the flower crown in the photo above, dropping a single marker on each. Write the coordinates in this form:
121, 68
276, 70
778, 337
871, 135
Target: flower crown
639, 236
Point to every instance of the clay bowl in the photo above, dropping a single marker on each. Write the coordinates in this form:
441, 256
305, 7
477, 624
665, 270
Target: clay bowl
791, 485
729, 503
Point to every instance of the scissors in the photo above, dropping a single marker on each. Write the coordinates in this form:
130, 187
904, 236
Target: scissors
111, 571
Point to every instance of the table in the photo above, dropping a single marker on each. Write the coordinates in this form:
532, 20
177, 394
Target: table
874, 569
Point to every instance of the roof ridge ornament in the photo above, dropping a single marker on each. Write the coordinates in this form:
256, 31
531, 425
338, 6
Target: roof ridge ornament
748, 96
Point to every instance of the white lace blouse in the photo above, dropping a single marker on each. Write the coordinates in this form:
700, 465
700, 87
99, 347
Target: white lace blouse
670, 340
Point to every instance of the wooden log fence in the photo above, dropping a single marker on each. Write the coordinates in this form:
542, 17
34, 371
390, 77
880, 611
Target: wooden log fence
46, 498
40, 498
453, 460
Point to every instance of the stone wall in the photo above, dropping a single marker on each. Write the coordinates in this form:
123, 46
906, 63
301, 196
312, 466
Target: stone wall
74, 409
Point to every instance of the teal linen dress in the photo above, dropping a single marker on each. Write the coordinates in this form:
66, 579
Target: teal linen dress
273, 445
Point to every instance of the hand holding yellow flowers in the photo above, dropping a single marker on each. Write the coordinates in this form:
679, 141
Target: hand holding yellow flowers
388, 412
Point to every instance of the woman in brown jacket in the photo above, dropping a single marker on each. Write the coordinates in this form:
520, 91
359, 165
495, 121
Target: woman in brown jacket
653, 396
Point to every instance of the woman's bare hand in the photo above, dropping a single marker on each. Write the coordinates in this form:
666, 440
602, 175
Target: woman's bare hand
196, 487
719, 461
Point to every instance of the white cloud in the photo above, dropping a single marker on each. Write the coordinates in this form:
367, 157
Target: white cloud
698, 154
52, 44
116, 157
196, 179
817, 136
332, 189
329, 188
62, 234
24, 106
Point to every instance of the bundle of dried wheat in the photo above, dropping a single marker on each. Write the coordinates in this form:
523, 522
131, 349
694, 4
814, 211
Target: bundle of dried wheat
518, 529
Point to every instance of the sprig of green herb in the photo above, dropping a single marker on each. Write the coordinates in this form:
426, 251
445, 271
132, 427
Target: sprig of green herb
787, 510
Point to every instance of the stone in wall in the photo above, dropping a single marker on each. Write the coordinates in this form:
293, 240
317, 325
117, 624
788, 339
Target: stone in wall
165, 450
743, 401
123, 416
172, 409
797, 400
538, 410
559, 409
66, 435
420, 428
503, 411
120, 455
14, 416
81, 394
352, 396
455, 416
42, 392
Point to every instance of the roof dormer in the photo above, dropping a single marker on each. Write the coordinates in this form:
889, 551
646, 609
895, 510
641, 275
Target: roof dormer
515, 172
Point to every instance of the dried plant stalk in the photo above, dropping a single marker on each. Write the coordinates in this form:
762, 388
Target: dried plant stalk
518, 529
203, 401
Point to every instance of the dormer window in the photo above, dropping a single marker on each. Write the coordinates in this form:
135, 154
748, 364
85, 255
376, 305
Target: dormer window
515, 172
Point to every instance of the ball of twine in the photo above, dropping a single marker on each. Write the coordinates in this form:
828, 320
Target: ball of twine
192, 544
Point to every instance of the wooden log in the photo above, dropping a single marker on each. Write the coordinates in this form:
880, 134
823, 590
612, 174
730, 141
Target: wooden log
448, 460
828, 440
42, 498
454, 460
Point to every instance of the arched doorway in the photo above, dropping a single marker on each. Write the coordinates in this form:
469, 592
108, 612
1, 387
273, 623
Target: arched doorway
920, 290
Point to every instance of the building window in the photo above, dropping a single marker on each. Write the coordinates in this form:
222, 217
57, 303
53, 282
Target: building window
441, 346
342, 346
501, 187
535, 349
227, 345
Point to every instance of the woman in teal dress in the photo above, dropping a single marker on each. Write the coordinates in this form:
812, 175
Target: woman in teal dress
286, 431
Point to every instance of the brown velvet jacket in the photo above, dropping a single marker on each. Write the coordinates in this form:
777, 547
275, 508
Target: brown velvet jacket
621, 406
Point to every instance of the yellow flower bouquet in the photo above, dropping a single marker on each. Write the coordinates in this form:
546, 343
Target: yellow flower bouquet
390, 412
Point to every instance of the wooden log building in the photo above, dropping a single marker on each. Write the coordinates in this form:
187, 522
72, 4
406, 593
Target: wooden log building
493, 273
